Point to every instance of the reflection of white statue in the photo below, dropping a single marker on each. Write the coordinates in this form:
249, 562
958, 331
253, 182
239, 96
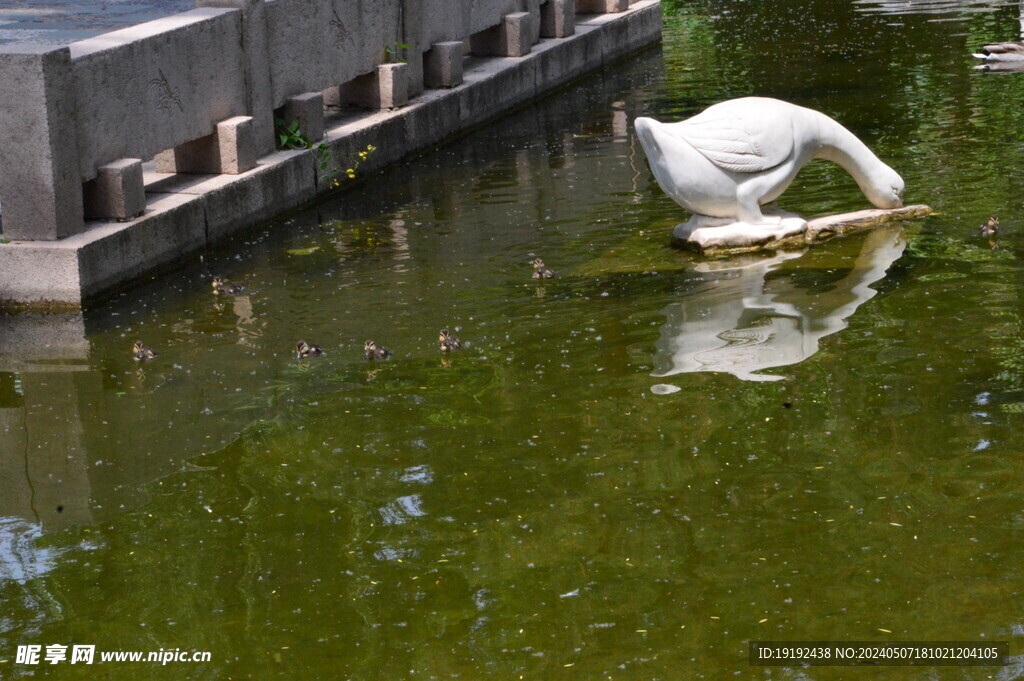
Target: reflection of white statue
736, 324
725, 163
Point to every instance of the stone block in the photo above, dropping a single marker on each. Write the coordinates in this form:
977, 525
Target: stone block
513, 37
387, 87
558, 19
157, 85
116, 192
256, 49
442, 65
40, 186
346, 39
231, 149
308, 110
601, 6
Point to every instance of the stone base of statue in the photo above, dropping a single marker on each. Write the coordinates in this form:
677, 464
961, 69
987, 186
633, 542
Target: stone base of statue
713, 236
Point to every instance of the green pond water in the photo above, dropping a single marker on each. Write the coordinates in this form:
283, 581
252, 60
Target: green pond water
629, 471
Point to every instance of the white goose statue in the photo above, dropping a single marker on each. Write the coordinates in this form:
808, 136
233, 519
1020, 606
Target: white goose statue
736, 156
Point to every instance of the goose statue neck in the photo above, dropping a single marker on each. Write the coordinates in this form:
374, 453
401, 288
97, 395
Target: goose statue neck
729, 161
882, 185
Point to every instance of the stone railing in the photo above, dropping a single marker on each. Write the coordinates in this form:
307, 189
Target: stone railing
199, 91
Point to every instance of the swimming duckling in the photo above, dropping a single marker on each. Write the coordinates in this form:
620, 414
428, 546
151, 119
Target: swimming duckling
540, 271
373, 351
448, 342
1002, 52
221, 287
141, 353
304, 350
990, 228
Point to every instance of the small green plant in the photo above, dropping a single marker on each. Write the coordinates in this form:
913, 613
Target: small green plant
395, 53
4, 241
323, 156
289, 136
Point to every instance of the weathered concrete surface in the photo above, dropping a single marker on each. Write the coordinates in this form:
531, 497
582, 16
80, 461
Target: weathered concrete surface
41, 118
559, 62
364, 30
256, 48
139, 96
447, 20
185, 213
490, 83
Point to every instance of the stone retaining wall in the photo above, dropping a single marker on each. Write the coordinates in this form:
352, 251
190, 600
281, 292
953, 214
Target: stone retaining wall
194, 97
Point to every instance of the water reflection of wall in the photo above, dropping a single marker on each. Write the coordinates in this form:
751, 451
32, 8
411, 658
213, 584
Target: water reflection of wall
739, 323
531, 174
81, 433
43, 476
83, 429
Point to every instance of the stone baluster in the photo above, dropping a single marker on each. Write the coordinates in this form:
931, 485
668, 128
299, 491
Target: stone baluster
40, 186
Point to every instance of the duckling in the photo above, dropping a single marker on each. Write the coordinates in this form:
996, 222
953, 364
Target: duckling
373, 351
304, 350
448, 342
540, 271
141, 353
221, 287
990, 228
1002, 52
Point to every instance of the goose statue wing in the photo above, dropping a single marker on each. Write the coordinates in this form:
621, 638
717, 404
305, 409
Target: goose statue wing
740, 139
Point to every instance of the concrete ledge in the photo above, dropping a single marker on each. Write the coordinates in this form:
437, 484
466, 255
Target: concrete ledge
185, 213
281, 181
110, 253
563, 61
493, 85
